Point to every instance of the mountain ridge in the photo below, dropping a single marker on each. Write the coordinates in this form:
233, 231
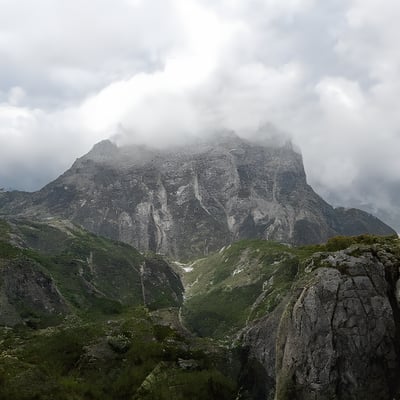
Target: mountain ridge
193, 199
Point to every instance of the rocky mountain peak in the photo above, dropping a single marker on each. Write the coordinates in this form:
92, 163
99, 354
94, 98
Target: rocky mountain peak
188, 200
102, 151
225, 139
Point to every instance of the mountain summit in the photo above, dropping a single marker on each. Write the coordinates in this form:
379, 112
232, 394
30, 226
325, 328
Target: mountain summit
189, 200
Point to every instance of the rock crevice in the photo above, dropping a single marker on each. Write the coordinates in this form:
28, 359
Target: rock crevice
337, 337
187, 201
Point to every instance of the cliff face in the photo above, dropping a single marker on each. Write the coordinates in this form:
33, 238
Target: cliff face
336, 336
191, 200
27, 294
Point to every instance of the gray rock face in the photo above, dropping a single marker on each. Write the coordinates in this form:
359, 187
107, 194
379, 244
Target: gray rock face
338, 336
190, 200
27, 294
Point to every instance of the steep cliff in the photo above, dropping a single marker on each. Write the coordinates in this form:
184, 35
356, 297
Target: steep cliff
191, 200
336, 334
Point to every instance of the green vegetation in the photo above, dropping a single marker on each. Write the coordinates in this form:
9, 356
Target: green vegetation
4, 229
343, 242
248, 279
114, 359
238, 284
80, 328
95, 276
175, 383
8, 251
95, 319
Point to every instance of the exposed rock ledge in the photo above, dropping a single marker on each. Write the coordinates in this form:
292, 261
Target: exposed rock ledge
337, 336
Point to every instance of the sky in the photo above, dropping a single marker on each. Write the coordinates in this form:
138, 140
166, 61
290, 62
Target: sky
324, 73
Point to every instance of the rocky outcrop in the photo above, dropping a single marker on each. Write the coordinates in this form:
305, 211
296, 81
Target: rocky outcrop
337, 336
28, 295
162, 287
190, 200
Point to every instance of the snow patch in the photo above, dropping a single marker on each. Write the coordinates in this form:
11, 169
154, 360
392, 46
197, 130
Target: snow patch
237, 271
184, 267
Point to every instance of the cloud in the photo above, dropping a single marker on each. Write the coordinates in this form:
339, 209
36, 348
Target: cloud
325, 73
37, 146
67, 49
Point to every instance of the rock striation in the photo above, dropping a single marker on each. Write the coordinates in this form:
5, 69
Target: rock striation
193, 199
336, 336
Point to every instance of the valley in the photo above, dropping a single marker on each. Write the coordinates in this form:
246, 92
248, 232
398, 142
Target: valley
207, 273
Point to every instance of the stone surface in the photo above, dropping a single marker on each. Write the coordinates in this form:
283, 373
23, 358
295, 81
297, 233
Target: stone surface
190, 200
337, 337
27, 294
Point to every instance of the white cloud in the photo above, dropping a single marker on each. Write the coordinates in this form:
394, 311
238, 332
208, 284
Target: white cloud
45, 45
340, 94
16, 95
156, 70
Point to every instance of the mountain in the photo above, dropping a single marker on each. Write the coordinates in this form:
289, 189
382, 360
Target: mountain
53, 269
82, 316
318, 322
190, 200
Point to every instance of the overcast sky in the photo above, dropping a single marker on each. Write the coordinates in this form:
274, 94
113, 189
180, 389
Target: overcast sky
326, 73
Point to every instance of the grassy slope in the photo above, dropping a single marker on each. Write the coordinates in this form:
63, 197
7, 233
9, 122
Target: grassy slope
247, 280
241, 282
93, 274
109, 346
